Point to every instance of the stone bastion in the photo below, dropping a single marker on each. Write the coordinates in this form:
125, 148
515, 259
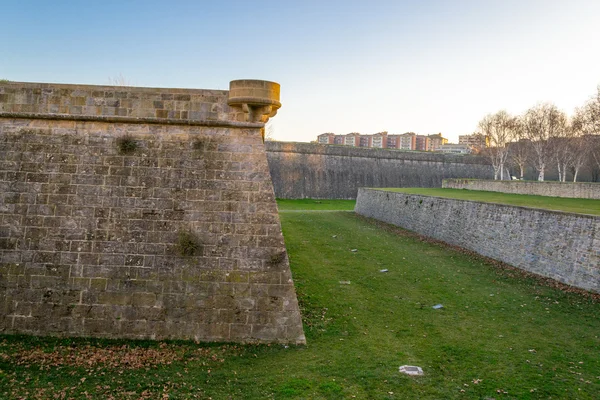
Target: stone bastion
141, 213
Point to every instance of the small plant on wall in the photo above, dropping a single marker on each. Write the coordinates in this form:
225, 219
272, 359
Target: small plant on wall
198, 145
276, 258
188, 244
126, 145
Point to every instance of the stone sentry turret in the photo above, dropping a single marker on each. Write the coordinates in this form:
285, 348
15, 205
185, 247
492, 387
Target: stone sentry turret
133, 212
257, 100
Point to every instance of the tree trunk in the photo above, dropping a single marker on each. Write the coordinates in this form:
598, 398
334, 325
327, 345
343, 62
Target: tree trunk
575, 174
560, 174
521, 167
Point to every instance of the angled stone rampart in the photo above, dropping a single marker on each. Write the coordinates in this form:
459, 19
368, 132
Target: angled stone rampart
139, 213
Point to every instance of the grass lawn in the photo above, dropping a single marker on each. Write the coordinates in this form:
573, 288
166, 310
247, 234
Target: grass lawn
579, 206
499, 334
315, 205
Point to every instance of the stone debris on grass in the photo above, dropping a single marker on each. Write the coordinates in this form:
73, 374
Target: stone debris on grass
344, 282
354, 250
411, 370
383, 270
437, 306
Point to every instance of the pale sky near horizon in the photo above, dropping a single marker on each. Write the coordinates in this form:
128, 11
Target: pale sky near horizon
344, 66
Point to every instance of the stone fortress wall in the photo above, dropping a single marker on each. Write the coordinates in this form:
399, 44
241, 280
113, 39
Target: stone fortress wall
558, 245
583, 190
141, 213
306, 170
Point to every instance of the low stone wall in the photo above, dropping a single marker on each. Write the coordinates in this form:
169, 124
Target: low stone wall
562, 246
307, 170
582, 190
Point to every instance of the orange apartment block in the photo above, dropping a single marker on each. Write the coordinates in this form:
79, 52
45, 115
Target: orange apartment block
383, 140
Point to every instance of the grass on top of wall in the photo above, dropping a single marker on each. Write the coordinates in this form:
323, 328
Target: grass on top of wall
315, 205
499, 334
578, 206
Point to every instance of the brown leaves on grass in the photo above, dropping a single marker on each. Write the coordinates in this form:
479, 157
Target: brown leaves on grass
122, 357
113, 357
82, 370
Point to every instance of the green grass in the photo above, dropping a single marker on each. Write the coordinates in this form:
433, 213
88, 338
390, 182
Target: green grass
579, 206
315, 205
500, 334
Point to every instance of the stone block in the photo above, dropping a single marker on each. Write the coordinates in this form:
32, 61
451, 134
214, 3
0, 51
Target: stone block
115, 298
143, 299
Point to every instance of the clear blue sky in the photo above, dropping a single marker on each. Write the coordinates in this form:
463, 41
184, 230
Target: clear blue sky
344, 66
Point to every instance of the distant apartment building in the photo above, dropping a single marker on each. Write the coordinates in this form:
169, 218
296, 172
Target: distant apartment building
476, 141
383, 140
391, 142
364, 141
455, 148
379, 140
421, 143
352, 139
408, 141
435, 141
326, 138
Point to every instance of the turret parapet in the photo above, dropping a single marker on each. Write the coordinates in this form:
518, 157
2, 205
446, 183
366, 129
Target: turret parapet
255, 100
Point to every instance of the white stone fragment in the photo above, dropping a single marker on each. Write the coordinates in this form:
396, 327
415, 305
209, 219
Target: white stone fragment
411, 370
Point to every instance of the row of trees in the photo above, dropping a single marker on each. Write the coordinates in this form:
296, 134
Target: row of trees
544, 137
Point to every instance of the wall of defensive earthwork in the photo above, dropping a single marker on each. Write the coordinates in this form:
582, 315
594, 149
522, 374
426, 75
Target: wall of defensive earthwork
558, 245
141, 213
306, 170
583, 190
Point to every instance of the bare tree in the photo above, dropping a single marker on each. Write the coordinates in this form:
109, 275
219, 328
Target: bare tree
591, 125
519, 150
580, 144
562, 148
542, 122
269, 132
500, 129
586, 124
593, 106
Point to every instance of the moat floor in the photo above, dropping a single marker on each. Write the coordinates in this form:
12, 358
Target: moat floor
499, 334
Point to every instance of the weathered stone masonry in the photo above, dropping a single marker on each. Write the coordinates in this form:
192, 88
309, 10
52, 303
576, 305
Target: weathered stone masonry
141, 213
306, 170
562, 246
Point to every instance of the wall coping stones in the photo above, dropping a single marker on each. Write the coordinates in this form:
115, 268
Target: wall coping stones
130, 120
78, 86
350, 151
